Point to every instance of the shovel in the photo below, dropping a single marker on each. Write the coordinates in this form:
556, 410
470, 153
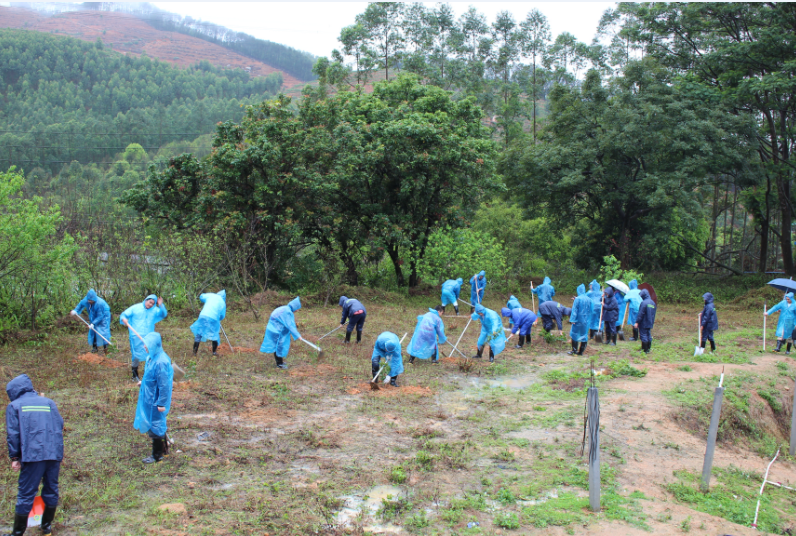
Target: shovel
621, 332
318, 348
764, 325
225, 336
598, 337
533, 301
456, 346
374, 383
698, 350
97, 332
335, 329
179, 373
131, 328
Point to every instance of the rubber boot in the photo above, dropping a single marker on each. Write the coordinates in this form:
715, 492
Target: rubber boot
779, 345
456, 308
374, 369
479, 353
582, 348
280, 362
195, 348
472, 310
613, 339
347, 337
491, 355
635, 335
591, 334
520, 342
359, 337
215, 347
157, 451
606, 337
47, 520
713, 347
394, 380
574, 350
20, 524
105, 349
702, 344
649, 345
94, 349
136, 378
411, 360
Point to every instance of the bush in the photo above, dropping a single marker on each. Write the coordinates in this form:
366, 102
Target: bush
453, 253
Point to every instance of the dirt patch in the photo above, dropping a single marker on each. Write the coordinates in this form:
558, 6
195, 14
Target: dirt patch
224, 349
184, 386
388, 390
95, 359
306, 371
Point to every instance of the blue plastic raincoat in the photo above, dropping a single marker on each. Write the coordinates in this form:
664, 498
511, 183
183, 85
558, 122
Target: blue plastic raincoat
491, 329
451, 290
142, 320
281, 326
595, 294
477, 287
512, 304
580, 316
429, 334
545, 291
522, 319
388, 346
634, 297
786, 316
99, 314
155, 389
620, 302
208, 324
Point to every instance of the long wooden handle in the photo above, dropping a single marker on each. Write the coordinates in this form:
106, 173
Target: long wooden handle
624, 316
94, 330
533, 301
131, 328
600, 325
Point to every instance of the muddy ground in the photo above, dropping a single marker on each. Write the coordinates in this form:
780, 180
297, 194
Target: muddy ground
313, 450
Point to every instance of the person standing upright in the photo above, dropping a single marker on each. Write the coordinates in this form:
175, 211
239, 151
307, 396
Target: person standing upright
140, 319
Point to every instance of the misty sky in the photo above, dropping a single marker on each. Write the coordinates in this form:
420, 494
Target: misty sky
314, 26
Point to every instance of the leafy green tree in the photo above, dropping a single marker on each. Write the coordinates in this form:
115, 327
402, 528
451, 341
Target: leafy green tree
461, 253
534, 40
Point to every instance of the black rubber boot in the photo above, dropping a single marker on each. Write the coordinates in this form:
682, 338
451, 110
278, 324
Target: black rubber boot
394, 381
649, 346
157, 451
702, 344
472, 310
411, 360
491, 355
374, 369
613, 339
94, 349
359, 337
635, 335
713, 347
280, 362
136, 378
520, 342
479, 353
347, 337
47, 520
456, 308
574, 350
195, 348
20, 524
779, 346
582, 348
215, 347
591, 334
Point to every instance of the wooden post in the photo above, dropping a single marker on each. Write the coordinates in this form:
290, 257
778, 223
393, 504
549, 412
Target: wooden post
593, 403
793, 424
712, 430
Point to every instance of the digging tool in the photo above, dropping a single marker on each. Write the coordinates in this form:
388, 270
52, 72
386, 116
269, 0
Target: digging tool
131, 328
621, 333
318, 348
231, 349
335, 329
467, 303
765, 317
456, 346
94, 330
179, 373
698, 350
374, 384
533, 301
455, 349
598, 337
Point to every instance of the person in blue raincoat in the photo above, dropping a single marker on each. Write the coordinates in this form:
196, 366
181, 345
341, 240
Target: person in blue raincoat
142, 318
645, 320
511, 304
522, 321
154, 398
620, 302
355, 313
35, 437
545, 291
787, 317
388, 346
477, 288
99, 318
428, 335
580, 318
553, 314
595, 294
281, 327
709, 320
633, 297
208, 325
610, 315
450, 294
491, 332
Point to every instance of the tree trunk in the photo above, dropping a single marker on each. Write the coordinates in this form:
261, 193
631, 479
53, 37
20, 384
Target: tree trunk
764, 229
392, 251
783, 189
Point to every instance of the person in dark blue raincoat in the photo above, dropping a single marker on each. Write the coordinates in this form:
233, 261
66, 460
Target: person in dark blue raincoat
388, 346
355, 313
709, 320
450, 293
633, 297
142, 317
428, 335
595, 294
580, 318
99, 318
477, 289
545, 291
646, 320
522, 321
610, 315
154, 398
553, 314
35, 437
208, 325
281, 327
491, 332
787, 316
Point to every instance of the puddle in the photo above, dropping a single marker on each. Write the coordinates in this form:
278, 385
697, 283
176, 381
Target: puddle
516, 382
367, 504
541, 500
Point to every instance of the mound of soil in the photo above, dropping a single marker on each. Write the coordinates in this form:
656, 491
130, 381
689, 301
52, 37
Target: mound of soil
102, 361
388, 390
307, 371
223, 349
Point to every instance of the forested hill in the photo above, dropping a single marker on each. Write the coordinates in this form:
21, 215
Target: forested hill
65, 100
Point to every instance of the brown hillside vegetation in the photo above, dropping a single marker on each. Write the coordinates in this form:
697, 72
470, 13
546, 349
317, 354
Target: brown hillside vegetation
128, 34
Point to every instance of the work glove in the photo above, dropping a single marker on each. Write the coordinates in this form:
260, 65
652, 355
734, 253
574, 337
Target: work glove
73, 313
91, 326
386, 379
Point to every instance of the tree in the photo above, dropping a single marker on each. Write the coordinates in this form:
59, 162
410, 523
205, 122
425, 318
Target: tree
382, 23
534, 42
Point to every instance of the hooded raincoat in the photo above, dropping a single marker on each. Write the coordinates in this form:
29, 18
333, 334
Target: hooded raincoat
595, 294
34, 428
634, 298
786, 316
155, 390
580, 316
709, 319
354, 312
208, 324
545, 291
451, 290
142, 320
646, 316
429, 334
620, 302
512, 304
99, 314
388, 346
477, 287
522, 319
281, 326
610, 310
491, 329
551, 312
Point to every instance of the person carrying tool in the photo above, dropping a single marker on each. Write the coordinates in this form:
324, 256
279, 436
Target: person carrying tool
477, 288
785, 325
610, 315
355, 313
634, 298
545, 291
553, 314
645, 320
281, 326
208, 325
709, 320
580, 318
388, 346
522, 320
140, 319
35, 437
428, 335
491, 332
99, 318
450, 294
595, 294
154, 398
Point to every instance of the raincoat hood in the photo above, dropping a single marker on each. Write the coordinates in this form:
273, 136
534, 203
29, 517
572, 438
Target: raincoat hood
19, 386
645, 295
342, 301
480, 309
460, 281
91, 295
513, 297
594, 285
566, 311
295, 304
609, 292
430, 311
505, 311
581, 289
390, 346
223, 294
481, 274
633, 284
708, 297
152, 297
154, 343
546, 281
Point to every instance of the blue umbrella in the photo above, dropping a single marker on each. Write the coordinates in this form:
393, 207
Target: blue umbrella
785, 285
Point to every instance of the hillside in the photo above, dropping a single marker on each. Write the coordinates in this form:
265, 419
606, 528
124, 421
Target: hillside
131, 35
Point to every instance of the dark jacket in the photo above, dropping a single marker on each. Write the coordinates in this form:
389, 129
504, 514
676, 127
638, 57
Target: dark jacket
554, 310
646, 311
34, 428
610, 307
350, 306
710, 319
